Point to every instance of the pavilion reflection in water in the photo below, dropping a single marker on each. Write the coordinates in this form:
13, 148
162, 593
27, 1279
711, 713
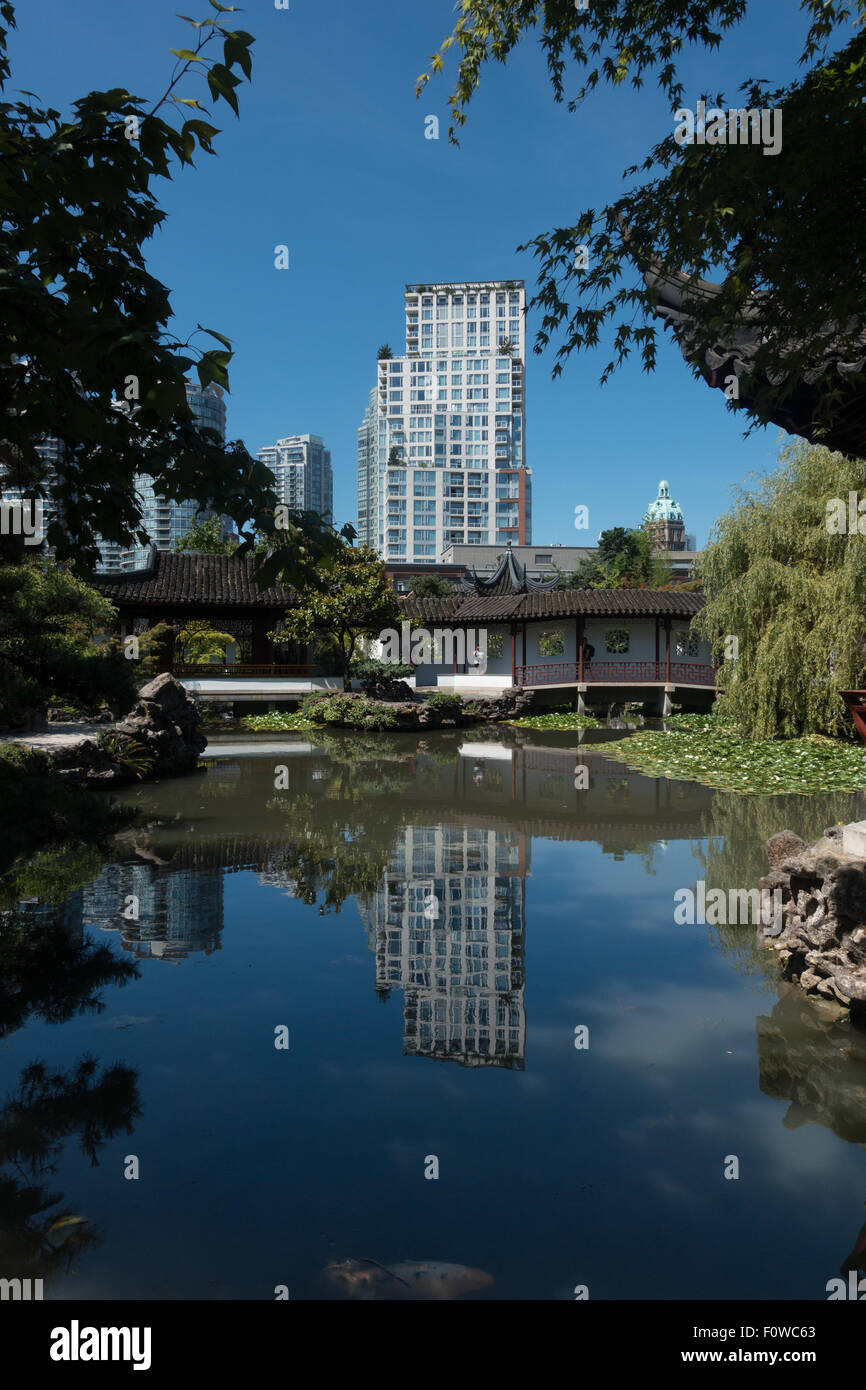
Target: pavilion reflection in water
448, 927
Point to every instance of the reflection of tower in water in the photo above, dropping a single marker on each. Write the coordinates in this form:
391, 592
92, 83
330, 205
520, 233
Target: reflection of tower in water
448, 927
178, 912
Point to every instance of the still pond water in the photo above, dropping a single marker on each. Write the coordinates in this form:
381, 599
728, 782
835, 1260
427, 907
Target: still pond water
431, 920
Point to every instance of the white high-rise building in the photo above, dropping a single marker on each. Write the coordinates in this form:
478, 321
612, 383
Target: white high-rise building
302, 467
166, 521
449, 423
368, 471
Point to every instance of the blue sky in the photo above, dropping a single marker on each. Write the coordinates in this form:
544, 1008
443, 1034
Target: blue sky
329, 158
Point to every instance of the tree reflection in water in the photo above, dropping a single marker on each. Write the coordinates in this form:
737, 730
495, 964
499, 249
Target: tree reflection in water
47, 972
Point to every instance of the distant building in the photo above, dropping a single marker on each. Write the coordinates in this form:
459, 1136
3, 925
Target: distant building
302, 467
442, 446
368, 473
50, 451
665, 522
164, 521
539, 561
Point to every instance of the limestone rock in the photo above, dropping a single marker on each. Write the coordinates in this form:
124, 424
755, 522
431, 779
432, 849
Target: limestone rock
85, 761
783, 846
165, 722
822, 941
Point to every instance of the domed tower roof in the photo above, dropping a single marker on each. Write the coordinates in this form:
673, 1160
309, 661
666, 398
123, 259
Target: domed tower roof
664, 508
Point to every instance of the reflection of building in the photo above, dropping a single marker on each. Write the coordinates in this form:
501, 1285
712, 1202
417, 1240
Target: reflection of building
177, 912
448, 926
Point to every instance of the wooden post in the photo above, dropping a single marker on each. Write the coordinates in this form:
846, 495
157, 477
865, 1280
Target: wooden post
657, 646
580, 650
514, 654
667, 651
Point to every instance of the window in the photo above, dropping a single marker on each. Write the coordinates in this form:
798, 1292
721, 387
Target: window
544, 559
685, 644
495, 642
616, 640
551, 643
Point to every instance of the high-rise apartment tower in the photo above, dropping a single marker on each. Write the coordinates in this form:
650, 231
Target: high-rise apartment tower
447, 421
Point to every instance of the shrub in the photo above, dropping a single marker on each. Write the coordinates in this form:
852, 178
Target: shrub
445, 702
370, 672
353, 711
128, 753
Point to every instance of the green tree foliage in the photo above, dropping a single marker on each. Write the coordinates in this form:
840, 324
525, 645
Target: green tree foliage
431, 586
157, 647
792, 592
351, 600
85, 352
384, 353
770, 223
206, 538
199, 643
48, 622
624, 560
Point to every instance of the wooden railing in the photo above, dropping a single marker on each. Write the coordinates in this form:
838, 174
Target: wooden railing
615, 673
216, 669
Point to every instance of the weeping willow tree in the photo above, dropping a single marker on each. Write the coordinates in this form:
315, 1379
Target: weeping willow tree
785, 580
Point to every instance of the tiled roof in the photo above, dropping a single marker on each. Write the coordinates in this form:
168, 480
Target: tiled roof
494, 605
557, 603
509, 577
192, 580
838, 366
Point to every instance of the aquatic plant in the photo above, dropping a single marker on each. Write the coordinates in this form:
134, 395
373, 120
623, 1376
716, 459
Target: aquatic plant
565, 719
734, 763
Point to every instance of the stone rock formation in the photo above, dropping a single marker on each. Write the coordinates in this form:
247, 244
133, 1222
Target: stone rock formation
383, 688
820, 936
165, 722
86, 761
511, 704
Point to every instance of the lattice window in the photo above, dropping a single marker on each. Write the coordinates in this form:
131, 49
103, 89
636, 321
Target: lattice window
551, 643
685, 644
616, 640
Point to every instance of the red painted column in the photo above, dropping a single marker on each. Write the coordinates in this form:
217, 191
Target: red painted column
580, 650
513, 653
667, 651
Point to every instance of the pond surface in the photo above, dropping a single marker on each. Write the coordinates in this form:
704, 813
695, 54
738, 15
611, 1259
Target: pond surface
426, 923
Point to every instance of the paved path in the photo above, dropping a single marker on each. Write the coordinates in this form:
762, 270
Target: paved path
56, 735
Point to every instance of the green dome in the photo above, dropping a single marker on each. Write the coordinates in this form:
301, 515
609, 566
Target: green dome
664, 508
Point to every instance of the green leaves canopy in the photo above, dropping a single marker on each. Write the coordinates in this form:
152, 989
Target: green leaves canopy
793, 594
771, 223
85, 352
351, 600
